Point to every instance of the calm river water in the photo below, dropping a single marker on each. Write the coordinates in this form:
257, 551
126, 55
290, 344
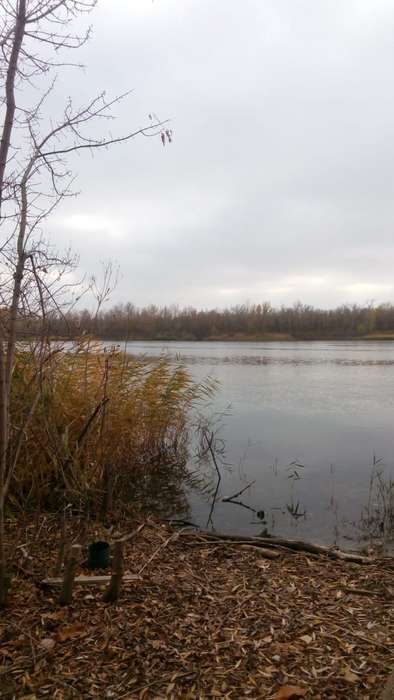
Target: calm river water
328, 406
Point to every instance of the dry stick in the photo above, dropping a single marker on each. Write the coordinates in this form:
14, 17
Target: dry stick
62, 546
267, 553
67, 463
89, 580
66, 595
361, 591
130, 536
90, 420
113, 590
355, 635
174, 536
263, 551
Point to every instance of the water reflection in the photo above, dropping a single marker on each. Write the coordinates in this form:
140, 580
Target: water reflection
160, 490
372, 531
325, 406
256, 360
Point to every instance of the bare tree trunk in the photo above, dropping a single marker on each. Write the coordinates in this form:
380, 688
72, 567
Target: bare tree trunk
18, 277
8, 339
8, 125
3, 466
19, 32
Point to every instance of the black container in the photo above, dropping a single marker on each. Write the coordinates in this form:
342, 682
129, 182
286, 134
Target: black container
99, 555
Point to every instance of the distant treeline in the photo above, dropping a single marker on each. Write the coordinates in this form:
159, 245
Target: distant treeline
246, 321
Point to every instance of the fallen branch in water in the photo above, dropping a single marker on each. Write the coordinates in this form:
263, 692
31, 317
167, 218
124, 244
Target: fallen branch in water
208, 442
179, 522
239, 503
239, 493
280, 542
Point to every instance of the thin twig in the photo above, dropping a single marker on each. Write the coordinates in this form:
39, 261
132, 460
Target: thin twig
174, 536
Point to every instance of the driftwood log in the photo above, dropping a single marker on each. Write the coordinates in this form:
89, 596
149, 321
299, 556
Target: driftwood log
276, 543
263, 551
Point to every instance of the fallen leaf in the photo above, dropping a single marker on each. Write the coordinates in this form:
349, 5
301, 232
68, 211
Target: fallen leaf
72, 632
58, 615
5, 652
349, 676
158, 644
47, 643
290, 692
306, 638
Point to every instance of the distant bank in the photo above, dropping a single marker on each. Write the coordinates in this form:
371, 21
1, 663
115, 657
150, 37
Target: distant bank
244, 337
283, 337
249, 322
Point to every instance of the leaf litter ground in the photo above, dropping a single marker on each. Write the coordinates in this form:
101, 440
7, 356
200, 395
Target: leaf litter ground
204, 622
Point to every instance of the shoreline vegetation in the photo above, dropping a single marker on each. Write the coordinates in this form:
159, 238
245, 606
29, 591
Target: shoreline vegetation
107, 428
248, 322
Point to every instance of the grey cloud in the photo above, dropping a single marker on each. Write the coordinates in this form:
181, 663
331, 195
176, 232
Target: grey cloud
280, 178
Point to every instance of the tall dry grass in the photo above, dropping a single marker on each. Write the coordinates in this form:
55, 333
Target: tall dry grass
103, 421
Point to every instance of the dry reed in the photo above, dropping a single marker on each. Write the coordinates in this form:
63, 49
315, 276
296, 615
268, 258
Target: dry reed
103, 420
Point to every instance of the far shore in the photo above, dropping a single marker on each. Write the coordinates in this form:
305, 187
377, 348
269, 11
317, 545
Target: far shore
244, 337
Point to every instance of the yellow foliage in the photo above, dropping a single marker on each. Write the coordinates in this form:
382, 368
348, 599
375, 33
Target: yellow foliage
96, 410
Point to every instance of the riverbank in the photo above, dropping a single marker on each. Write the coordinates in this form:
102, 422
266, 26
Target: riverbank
287, 337
203, 621
240, 338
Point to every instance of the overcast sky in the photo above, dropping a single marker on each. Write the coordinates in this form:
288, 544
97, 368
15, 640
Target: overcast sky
279, 184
